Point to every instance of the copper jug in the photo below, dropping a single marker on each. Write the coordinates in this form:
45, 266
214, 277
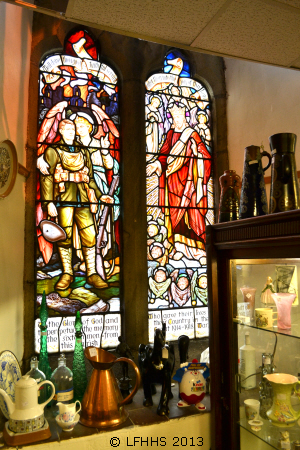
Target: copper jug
103, 404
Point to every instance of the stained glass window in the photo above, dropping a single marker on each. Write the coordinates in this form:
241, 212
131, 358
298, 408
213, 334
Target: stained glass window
179, 198
78, 191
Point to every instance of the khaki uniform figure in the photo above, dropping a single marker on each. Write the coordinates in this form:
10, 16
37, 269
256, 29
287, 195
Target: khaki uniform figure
71, 186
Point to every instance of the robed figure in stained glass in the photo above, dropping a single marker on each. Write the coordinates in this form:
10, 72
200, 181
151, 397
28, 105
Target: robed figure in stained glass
179, 197
183, 175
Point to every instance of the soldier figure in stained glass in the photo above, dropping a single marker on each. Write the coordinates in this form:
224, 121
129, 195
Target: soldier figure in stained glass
70, 181
102, 162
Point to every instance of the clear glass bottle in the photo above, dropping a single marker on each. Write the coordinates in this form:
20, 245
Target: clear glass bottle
265, 388
247, 364
62, 378
39, 376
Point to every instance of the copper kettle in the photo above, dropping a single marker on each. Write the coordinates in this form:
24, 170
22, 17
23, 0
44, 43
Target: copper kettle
103, 404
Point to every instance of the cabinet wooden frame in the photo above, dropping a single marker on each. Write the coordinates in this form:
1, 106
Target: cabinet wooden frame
270, 236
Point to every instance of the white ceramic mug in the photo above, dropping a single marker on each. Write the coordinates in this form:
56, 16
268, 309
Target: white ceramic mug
264, 317
252, 409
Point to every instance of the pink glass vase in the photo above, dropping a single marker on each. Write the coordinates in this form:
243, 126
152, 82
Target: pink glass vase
249, 297
284, 302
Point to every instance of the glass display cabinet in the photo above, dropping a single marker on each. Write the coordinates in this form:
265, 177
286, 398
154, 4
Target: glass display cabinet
254, 310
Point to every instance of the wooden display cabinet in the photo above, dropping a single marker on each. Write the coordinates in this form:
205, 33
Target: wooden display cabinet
246, 252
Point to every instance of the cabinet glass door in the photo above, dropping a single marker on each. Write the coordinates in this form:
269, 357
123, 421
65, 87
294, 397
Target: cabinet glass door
266, 314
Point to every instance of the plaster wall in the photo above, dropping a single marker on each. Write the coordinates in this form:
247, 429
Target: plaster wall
262, 100
15, 45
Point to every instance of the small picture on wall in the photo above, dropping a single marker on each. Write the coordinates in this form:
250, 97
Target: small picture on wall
8, 167
286, 280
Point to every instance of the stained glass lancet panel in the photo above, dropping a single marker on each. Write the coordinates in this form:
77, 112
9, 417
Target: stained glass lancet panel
77, 202
179, 198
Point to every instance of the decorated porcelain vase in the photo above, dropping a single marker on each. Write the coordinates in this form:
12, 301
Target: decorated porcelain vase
192, 387
282, 413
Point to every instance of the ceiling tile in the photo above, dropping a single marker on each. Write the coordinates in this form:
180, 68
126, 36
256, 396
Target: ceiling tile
169, 20
296, 64
256, 30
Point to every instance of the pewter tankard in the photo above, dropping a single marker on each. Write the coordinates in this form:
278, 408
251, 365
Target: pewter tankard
284, 194
253, 200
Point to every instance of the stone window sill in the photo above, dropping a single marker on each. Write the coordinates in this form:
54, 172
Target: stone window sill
138, 416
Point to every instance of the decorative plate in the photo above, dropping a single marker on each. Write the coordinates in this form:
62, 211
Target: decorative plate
10, 373
8, 167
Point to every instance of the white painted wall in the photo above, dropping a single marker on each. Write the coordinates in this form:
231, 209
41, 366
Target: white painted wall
262, 100
15, 43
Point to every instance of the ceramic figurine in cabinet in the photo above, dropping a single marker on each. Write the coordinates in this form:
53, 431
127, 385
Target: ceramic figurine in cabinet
192, 387
284, 440
267, 291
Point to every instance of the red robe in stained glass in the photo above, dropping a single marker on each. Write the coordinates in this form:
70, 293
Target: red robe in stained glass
179, 185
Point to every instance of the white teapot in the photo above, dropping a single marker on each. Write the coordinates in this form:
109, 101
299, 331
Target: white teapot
26, 414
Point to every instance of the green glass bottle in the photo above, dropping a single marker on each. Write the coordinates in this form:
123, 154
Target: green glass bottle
44, 365
79, 370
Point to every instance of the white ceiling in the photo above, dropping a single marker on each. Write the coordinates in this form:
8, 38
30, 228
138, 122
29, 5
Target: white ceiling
266, 31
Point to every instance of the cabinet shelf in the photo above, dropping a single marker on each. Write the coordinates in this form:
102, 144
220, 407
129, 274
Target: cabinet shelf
294, 332
269, 433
